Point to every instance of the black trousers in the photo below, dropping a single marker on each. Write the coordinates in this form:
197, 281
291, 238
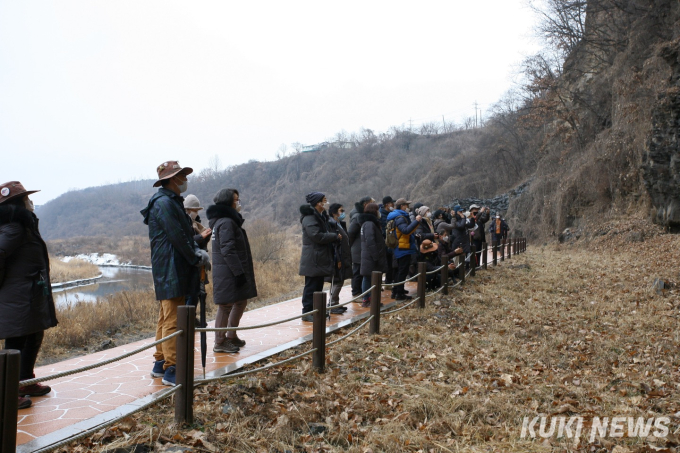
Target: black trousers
357, 278
389, 275
403, 264
478, 246
312, 285
28, 346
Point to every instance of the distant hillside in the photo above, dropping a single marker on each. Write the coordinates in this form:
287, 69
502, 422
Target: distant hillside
594, 131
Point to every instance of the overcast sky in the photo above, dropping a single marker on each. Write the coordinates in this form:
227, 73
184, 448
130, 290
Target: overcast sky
96, 92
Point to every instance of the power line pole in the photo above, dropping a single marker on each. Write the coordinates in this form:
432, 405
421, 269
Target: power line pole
475, 104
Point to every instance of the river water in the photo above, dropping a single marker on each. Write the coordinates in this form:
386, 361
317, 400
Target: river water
114, 279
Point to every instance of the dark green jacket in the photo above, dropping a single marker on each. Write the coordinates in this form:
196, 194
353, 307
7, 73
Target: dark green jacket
173, 249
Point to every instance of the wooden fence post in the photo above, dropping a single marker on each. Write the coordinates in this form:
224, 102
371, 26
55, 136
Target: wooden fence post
494, 247
376, 282
445, 278
485, 255
319, 332
461, 269
184, 369
502, 247
509, 244
10, 362
422, 281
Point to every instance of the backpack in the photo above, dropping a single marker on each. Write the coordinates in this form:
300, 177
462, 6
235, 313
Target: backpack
391, 240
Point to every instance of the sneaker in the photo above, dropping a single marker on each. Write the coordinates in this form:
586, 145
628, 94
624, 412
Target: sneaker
158, 370
366, 304
338, 310
24, 403
308, 318
238, 342
403, 297
34, 390
226, 346
169, 376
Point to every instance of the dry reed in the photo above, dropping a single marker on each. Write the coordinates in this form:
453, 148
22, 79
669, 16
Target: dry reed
73, 270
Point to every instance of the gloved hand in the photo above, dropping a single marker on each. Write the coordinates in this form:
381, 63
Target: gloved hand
241, 280
203, 259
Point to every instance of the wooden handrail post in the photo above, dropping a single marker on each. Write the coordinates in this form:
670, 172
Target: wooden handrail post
461, 269
10, 362
376, 282
319, 332
184, 368
494, 251
445, 278
502, 247
509, 244
485, 255
473, 260
422, 281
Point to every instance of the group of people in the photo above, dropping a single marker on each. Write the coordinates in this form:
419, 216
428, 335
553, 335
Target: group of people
390, 238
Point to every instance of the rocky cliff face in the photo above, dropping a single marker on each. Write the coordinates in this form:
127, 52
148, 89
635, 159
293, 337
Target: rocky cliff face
661, 167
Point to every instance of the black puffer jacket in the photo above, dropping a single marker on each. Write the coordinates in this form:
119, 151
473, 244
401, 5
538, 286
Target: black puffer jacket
26, 303
232, 260
425, 230
460, 237
480, 233
355, 233
372, 245
341, 251
316, 259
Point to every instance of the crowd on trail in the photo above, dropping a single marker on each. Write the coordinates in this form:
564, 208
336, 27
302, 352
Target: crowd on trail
391, 238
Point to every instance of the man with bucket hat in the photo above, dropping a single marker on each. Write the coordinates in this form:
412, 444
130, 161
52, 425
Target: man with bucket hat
26, 303
174, 257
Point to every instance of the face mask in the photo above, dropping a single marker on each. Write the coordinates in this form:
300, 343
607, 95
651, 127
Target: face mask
29, 204
446, 239
407, 210
193, 215
183, 188
238, 206
390, 209
342, 216
326, 205
428, 215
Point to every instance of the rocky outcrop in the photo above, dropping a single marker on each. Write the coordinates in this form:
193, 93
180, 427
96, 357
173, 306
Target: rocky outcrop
498, 204
661, 166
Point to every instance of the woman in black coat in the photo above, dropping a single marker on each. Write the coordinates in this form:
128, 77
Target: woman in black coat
342, 256
232, 267
26, 303
373, 247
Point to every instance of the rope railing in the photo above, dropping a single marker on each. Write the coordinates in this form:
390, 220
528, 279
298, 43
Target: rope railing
100, 364
402, 307
254, 370
259, 326
104, 425
391, 285
354, 299
351, 333
435, 270
186, 349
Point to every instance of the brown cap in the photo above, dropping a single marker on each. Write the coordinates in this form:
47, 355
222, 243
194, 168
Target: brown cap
402, 201
13, 189
170, 168
428, 246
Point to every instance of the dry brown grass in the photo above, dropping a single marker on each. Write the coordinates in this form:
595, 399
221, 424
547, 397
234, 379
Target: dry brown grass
560, 329
73, 270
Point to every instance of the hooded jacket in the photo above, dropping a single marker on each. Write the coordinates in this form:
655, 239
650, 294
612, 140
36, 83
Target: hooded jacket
355, 233
316, 259
480, 233
460, 237
405, 230
373, 256
173, 249
232, 260
26, 303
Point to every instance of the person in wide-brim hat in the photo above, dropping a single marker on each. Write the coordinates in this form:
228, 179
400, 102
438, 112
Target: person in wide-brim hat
428, 246
170, 168
13, 189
